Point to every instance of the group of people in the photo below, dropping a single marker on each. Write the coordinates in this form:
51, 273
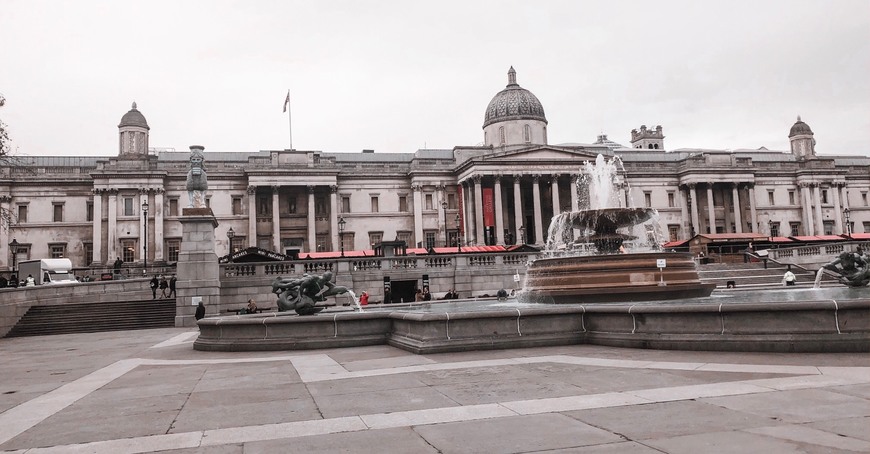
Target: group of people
167, 287
451, 295
423, 295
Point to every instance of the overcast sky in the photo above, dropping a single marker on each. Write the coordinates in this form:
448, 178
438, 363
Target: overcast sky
395, 76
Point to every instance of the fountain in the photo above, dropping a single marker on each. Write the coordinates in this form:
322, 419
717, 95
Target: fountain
597, 266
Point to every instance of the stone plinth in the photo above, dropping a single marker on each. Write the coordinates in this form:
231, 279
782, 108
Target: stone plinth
198, 269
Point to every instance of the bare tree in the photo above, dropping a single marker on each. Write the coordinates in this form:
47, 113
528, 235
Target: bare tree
7, 217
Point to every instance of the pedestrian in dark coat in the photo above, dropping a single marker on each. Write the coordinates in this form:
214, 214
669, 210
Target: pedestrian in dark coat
172, 286
200, 311
164, 287
154, 284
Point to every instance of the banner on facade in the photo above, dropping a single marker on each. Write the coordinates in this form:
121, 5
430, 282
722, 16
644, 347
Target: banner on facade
488, 208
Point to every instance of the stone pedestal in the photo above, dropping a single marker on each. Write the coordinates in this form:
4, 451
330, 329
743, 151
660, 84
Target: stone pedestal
198, 270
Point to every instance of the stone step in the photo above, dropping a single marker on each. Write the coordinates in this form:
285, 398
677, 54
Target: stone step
95, 317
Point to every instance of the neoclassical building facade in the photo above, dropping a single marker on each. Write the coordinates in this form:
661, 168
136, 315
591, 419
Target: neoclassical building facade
93, 209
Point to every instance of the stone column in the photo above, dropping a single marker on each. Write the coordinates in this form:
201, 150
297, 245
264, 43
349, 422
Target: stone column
539, 224
575, 201
684, 214
198, 269
807, 209
696, 218
276, 219
845, 196
143, 221
554, 189
838, 211
97, 237
468, 228
252, 216
817, 198
418, 213
518, 208
312, 227
158, 225
112, 228
499, 215
333, 217
478, 211
735, 200
753, 212
711, 209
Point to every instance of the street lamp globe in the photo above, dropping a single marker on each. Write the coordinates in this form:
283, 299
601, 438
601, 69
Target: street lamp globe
341, 224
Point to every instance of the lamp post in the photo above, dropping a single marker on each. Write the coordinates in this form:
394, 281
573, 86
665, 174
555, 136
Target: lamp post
444, 210
230, 235
13, 246
847, 212
770, 228
145, 240
341, 224
458, 239
522, 234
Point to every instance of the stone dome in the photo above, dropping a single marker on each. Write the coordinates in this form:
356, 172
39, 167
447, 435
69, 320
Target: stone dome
800, 128
134, 118
513, 103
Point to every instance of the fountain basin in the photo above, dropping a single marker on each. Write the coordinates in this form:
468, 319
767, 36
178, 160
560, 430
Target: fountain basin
827, 320
615, 278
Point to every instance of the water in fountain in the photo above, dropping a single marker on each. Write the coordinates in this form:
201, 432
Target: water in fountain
356, 305
593, 229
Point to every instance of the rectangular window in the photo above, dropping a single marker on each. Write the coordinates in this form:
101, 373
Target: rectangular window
375, 238
128, 207
828, 226
237, 244
237, 206
864, 198
403, 204
208, 202
172, 248
173, 207
128, 250
404, 236
291, 204
795, 228
674, 232
345, 204
453, 238
647, 199
322, 243
671, 200
264, 207
57, 214
22, 213
430, 239
791, 197
57, 251
374, 204
320, 206
89, 253
451, 201
428, 201
774, 229
824, 196
347, 241
89, 212
770, 198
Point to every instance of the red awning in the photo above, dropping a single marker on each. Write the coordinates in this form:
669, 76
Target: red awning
780, 239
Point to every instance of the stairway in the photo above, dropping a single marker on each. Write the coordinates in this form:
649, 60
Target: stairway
751, 275
95, 317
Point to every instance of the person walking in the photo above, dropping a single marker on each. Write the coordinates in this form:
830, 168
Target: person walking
172, 286
164, 287
154, 284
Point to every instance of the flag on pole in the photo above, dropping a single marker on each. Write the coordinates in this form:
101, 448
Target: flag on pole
287, 101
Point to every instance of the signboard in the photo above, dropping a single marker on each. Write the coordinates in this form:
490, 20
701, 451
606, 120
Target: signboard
488, 208
661, 263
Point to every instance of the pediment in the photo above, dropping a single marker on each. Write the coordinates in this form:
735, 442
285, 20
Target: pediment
543, 154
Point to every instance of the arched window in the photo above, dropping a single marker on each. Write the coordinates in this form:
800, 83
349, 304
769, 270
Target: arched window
545, 135
501, 135
527, 133
649, 146
656, 146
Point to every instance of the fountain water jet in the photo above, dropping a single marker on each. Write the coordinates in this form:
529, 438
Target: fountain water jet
596, 266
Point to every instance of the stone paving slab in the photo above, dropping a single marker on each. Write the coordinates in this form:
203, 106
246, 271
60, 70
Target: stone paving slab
149, 391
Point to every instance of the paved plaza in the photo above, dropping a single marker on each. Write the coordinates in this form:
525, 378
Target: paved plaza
149, 391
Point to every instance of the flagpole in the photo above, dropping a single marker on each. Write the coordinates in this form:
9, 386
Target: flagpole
289, 119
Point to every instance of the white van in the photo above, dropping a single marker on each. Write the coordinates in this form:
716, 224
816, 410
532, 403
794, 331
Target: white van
47, 271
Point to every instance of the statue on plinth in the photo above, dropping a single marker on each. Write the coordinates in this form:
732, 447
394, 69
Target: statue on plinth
851, 268
303, 293
197, 180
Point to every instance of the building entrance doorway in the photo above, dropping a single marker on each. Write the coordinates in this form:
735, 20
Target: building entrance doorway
403, 291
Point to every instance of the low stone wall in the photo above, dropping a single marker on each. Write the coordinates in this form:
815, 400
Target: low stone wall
806, 326
15, 302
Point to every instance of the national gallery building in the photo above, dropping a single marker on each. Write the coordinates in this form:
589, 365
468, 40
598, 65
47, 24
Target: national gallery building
94, 209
